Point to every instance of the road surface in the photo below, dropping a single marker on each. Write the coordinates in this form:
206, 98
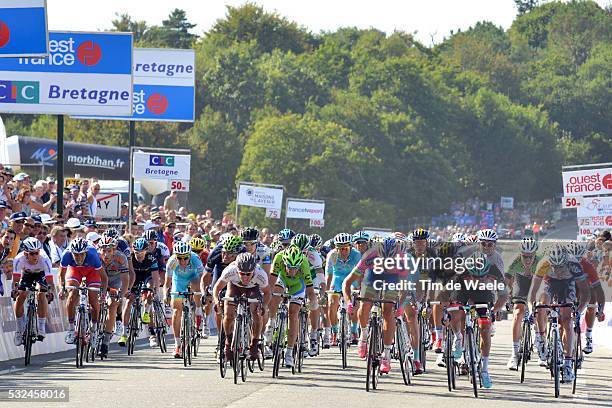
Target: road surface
151, 379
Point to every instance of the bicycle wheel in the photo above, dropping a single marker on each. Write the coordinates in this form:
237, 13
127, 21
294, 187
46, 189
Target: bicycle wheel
160, 326
261, 361
555, 364
402, 352
79, 341
343, 340
577, 359
236, 347
278, 347
188, 329
302, 336
133, 328
524, 348
221, 351
372, 364
449, 359
423, 342
472, 357
29, 333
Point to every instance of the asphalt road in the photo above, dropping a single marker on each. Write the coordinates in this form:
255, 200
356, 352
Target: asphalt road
151, 379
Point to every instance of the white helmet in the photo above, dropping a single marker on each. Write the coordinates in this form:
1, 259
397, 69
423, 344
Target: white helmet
529, 245
458, 237
557, 255
32, 244
577, 249
487, 235
343, 239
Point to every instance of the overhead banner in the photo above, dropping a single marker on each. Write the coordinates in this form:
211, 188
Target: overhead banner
311, 210
589, 225
594, 207
377, 232
587, 182
263, 197
162, 166
164, 86
23, 28
84, 74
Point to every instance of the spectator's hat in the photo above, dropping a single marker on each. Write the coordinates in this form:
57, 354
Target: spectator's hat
18, 216
20, 177
74, 224
3, 204
93, 237
47, 219
90, 222
150, 225
36, 219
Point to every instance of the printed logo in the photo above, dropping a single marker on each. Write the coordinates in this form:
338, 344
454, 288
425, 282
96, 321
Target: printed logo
157, 103
5, 34
89, 53
607, 181
19, 92
159, 160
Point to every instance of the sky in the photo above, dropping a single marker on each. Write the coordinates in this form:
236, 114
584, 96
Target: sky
432, 20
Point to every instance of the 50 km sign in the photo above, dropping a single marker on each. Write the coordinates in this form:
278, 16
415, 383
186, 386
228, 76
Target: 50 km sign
179, 185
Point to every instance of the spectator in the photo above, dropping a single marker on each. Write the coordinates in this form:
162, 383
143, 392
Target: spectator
265, 237
171, 201
92, 202
169, 234
57, 244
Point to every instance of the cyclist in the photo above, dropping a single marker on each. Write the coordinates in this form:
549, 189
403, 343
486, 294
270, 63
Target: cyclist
361, 241
518, 277
250, 239
243, 277
80, 261
376, 275
316, 243
318, 282
291, 273
146, 274
160, 251
478, 271
184, 270
597, 298
32, 266
562, 275
115, 265
339, 264
198, 247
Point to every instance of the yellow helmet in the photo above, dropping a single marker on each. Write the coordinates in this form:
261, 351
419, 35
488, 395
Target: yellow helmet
197, 244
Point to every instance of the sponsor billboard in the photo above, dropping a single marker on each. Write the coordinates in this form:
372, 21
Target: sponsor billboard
84, 74
594, 207
587, 182
23, 28
312, 210
164, 86
257, 196
161, 166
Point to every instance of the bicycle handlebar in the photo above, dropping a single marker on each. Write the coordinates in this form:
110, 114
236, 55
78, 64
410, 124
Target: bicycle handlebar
239, 298
554, 306
83, 288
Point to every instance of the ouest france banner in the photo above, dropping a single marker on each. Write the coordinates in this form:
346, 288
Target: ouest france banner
164, 86
23, 28
84, 74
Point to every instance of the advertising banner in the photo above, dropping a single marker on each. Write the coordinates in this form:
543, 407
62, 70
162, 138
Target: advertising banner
273, 213
587, 182
507, 203
311, 210
161, 166
594, 207
589, 225
109, 205
84, 74
263, 197
23, 28
164, 86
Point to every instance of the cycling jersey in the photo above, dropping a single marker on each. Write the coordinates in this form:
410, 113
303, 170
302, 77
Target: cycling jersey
182, 277
517, 267
495, 258
231, 274
294, 284
117, 265
161, 254
339, 269
144, 269
214, 264
90, 269
590, 272
21, 266
124, 247
570, 270
263, 254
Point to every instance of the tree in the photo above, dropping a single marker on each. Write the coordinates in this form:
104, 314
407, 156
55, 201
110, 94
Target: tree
124, 23
173, 33
525, 6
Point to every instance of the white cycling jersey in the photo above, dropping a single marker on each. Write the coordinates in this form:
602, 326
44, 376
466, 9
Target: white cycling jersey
231, 274
22, 266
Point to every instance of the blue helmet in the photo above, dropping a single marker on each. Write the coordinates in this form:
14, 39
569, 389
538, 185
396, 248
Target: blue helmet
140, 244
388, 248
286, 234
361, 236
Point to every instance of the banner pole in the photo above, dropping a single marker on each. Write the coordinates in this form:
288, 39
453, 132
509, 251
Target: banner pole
132, 132
59, 166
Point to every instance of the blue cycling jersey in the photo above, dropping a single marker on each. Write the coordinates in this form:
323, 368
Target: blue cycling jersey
340, 269
182, 277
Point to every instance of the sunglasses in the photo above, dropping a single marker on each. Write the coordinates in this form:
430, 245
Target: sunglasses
344, 247
245, 273
141, 252
487, 244
19, 222
183, 257
528, 255
29, 225
249, 242
32, 253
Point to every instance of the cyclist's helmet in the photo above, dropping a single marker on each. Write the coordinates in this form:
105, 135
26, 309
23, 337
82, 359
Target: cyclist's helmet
181, 248
399, 235
458, 237
577, 249
377, 239
388, 247
487, 235
286, 234
343, 239
316, 241
420, 234
301, 241
529, 245
249, 234
197, 244
477, 264
293, 257
361, 237
232, 243
150, 235
557, 255
471, 239
246, 262
32, 244
78, 246
107, 242
276, 246
140, 244
112, 232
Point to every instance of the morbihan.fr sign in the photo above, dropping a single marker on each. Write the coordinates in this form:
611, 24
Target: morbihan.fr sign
84, 74
23, 28
164, 86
